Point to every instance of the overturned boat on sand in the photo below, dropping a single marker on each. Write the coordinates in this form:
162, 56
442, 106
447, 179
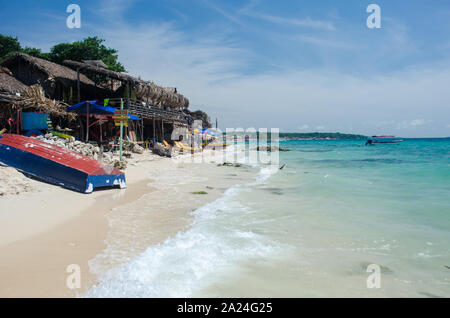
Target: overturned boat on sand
57, 165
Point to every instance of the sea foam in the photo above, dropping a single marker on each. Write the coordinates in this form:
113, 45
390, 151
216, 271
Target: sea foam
189, 262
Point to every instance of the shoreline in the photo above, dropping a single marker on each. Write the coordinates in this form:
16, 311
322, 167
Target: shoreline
35, 259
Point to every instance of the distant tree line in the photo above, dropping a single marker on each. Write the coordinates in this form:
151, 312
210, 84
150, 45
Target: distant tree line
317, 135
91, 48
200, 115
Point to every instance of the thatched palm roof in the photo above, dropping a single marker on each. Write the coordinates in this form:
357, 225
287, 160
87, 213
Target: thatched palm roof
145, 90
97, 63
52, 70
101, 70
8, 84
33, 98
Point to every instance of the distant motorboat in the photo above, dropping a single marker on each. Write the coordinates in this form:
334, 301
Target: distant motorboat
384, 139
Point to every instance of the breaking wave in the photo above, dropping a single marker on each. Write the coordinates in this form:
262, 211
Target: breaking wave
188, 262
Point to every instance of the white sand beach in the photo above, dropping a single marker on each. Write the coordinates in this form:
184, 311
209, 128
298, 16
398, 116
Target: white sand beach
45, 228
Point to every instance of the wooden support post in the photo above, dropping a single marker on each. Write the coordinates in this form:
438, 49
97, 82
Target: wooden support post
121, 132
18, 120
82, 131
128, 95
154, 129
78, 85
87, 122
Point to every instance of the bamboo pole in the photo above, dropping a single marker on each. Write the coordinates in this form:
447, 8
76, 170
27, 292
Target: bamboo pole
87, 122
121, 131
18, 120
78, 85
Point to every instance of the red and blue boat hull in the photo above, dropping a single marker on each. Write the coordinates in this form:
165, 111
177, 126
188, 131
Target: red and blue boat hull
57, 165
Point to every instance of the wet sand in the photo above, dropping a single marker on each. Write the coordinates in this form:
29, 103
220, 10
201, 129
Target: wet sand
45, 231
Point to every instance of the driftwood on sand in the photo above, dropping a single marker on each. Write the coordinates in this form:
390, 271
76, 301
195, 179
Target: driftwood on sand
271, 149
160, 150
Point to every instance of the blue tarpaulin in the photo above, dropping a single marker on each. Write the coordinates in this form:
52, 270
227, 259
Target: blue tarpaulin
95, 108
32, 121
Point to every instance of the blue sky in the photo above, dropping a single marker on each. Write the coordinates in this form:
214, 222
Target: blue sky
294, 65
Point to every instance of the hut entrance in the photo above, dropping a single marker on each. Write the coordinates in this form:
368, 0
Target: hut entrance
157, 130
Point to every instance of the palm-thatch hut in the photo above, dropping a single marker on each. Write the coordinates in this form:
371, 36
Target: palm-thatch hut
141, 90
9, 85
10, 90
161, 109
58, 82
16, 97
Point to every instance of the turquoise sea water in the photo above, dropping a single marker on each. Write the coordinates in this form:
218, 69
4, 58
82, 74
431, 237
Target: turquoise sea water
312, 229
385, 204
338, 207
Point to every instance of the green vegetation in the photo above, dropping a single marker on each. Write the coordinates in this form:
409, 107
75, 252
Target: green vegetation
317, 135
91, 48
201, 115
35, 52
8, 46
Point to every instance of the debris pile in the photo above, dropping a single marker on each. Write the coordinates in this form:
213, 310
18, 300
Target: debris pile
137, 149
162, 151
90, 150
271, 149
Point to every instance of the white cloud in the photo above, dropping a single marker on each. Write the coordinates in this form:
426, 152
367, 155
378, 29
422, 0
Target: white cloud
306, 22
229, 16
208, 73
303, 127
207, 68
323, 41
417, 122
166, 56
412, 124
113, 9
